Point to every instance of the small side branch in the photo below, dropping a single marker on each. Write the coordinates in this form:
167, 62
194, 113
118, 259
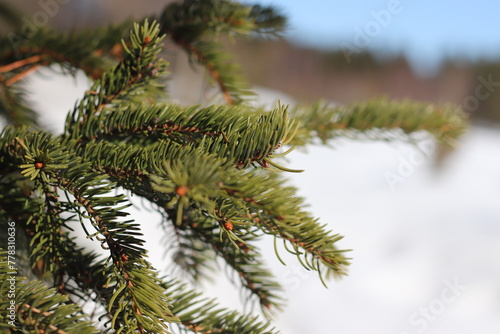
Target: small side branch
191, 49
21, 75
20, 63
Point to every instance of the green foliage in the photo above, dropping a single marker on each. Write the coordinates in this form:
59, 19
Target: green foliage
379, 119
213, 172
36, 309
194, 25
91, 50
14, 108
202, 315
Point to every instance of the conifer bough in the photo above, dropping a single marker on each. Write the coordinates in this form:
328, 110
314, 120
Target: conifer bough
211, 171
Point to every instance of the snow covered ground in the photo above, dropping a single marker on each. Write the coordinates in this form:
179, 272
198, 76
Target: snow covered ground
426, 251
425, 256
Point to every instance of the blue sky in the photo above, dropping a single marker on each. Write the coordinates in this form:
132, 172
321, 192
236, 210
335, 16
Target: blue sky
424, 30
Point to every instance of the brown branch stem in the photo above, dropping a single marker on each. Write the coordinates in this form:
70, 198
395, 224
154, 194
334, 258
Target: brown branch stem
211, 70
45, 314
21, 75
20, 63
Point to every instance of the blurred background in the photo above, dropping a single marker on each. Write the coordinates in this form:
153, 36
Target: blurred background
426, 250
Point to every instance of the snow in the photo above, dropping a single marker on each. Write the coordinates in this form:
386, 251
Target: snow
406, 243
425, 255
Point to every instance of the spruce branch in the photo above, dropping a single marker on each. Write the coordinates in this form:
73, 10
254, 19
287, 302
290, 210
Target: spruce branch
20, 63
243, 258
193, 24
267, 20
379, 119
92, 50
14, 108
21, 75
274, 212
192, 258
191, 178
38, 309
233, 133
201, 18
185, 188
137, 300
201, 315
26, 54
127, 81
221, 68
